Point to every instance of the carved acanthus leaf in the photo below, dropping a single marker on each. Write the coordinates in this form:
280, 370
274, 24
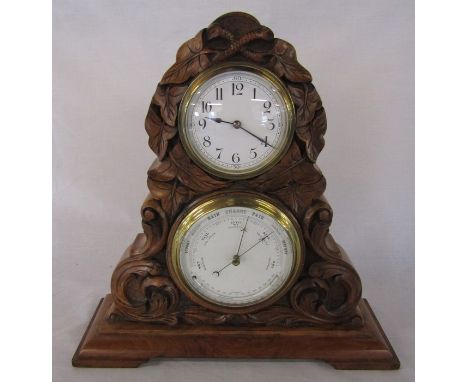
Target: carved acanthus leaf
311, 122
191, 175
141, 293
294, 180
159, 132
168, 98
192, 58
196, 315
312, 134
279, 315
307, 101
330, 294
176, 180
172, 195
162, 170
284, 63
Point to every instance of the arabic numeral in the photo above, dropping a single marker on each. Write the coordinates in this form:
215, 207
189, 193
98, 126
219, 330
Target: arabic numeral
206, 107
219, 154
206, 141
202, 123
235, 158
253, 153
237, 88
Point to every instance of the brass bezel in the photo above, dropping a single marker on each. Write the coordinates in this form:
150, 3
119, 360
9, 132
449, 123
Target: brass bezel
199, 81
216, 201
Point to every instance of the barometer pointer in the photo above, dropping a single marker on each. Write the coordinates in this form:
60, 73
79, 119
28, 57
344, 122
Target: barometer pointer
258, 242
235, 259
238, 125
217, 273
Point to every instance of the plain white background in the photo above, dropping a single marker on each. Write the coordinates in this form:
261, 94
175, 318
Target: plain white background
108, 57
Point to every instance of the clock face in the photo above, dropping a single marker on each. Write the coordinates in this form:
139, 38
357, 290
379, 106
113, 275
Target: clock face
236, 121
236, 252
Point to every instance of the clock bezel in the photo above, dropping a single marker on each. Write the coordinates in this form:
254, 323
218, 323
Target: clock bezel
208, 204
194, 153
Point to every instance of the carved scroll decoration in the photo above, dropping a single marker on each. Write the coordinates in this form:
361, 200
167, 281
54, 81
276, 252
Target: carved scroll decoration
329, 289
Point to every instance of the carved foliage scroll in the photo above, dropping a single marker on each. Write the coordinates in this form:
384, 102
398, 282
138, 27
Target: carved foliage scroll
140, 286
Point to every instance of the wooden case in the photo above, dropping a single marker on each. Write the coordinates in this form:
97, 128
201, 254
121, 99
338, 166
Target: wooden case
322, 316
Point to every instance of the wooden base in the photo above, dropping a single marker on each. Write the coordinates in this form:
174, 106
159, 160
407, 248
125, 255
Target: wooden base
129, 344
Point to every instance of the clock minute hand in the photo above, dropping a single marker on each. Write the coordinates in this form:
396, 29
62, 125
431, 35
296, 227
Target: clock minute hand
256, 136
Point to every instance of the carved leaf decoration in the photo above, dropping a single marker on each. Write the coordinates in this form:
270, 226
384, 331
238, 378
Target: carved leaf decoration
307, 101
284, 63
312, 134
311, 118
176, 180
171, 195
191, 59
191, 175
162, 170
280, 174
277, 315
167, 98
170, 319
195, 315
293, 180
298, 197
292, 167
159, 132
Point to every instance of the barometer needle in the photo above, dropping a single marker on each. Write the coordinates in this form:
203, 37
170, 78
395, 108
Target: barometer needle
258, 242
217, 273
242, 236
238, 125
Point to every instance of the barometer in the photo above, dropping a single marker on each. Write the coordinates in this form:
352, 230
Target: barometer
235, 252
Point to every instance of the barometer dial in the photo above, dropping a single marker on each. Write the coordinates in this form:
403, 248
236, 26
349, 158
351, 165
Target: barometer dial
236, 251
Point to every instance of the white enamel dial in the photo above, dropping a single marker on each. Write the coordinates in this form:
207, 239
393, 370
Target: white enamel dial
236, 256
237, 122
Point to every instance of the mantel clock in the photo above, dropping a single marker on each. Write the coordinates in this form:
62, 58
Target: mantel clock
235, 259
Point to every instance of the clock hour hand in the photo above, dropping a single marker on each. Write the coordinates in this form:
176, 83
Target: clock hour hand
218, 120
238, 125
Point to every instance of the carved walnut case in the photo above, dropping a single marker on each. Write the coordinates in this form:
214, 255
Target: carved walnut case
328, 290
